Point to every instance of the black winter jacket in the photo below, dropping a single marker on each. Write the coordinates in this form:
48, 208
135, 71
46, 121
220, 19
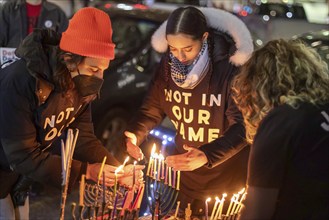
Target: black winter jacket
13, 21
34, 117
205, 116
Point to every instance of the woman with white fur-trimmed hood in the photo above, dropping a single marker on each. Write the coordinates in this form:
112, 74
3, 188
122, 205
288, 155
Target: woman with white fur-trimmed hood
203, 49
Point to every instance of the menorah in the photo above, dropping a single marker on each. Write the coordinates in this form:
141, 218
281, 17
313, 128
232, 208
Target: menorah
103, 203
162, 186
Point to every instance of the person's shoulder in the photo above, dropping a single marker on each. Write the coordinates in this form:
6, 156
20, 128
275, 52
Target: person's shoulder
10, 5
16, 75
51, 6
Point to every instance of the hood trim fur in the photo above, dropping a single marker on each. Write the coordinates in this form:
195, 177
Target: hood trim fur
219, 20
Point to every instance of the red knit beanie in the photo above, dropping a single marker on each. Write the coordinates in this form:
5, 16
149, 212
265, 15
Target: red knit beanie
89, 34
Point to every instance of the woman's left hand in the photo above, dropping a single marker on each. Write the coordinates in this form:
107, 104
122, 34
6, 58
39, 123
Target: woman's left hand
191, 160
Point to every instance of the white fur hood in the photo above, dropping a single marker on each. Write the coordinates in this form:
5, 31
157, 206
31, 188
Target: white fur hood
221, 21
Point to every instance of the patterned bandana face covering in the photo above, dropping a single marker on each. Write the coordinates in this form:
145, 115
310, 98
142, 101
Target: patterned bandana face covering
188, 76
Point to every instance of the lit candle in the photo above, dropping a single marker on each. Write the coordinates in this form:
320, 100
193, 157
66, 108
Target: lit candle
236, 206
151, 160
177, 208
169, 178
236, 197
116, 178
82, 189
214, 209
206, 211
230, 206
134, 173
221, 205
240, 203
155, 165
178, 180
124, 163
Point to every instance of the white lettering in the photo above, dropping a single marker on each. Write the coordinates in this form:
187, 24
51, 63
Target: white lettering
203, 117
325, 125
168, 95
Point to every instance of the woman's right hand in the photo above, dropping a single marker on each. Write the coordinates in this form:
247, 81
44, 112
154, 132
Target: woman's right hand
93, 173
132, 149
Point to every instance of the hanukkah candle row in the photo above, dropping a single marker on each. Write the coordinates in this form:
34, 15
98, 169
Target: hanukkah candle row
234, 207
159, 171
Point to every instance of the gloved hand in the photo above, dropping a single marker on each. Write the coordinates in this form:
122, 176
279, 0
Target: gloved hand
21, 190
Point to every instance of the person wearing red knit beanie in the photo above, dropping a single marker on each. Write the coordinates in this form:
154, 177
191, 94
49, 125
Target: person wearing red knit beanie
45, 93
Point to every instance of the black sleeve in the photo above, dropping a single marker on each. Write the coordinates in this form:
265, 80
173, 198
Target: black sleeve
89, 148
4, 26
269, 153
150, 113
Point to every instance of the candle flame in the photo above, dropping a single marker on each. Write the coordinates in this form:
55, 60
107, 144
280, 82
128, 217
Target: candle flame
118, 169
217, 199
224, 195
135, 162
161, 157
126, 160
242, 191
208, 200
153, 149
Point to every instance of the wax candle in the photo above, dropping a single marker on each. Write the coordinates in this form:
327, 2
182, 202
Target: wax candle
174, 179
82, 189
139, 201
214, 209
155, 165
134, 173
124, 163
104, 189
151, 160
101, 170
221, 205
149, 166
177, 208
237, 202
178, 180
169, 178
230, 206
115, 206
236, 197
240, 203
206, 208
159, 168
166, 175
162, 166
115, 184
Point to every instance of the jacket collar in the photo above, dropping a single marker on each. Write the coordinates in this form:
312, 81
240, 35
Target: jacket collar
223, 23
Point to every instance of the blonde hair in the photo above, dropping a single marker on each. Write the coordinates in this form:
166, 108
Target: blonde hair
281, 72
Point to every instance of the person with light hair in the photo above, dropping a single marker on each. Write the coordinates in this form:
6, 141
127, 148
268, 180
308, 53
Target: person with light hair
283, 94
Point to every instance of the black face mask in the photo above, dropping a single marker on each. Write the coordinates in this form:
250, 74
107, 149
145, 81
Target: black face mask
87, 85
